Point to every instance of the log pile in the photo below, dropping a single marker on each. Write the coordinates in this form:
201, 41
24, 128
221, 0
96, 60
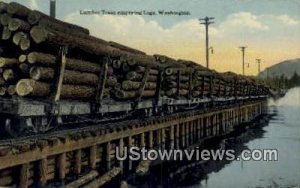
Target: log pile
30, 62
32, 65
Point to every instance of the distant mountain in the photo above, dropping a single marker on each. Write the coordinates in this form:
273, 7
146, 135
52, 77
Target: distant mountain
287, 68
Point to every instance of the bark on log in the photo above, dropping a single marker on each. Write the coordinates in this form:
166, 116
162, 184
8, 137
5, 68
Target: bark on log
70, 77
18, 24
125, 48
55, 38
134, 76
8, 62
4, 19
6, 33
133, 94
131, 85
9, 75
74, 64
36, 17
141, 69
3, 7
28, 87
111, 81
14, 8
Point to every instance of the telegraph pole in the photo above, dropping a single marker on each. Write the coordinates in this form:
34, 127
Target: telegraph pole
258, 61
52, 8
243, 53
207, 22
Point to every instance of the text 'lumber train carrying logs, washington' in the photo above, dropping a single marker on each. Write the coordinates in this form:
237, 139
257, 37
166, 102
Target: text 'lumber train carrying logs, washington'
53, 72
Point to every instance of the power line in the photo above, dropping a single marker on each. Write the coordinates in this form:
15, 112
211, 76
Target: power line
207, 22
243, 56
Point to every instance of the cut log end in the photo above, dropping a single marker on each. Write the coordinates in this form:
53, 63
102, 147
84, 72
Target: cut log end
17, 37
34, 17
38, 34
24, 87
6, 33
35, 73
22, 58
24, 44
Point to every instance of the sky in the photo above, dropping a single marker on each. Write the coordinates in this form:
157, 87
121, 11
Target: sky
269, 28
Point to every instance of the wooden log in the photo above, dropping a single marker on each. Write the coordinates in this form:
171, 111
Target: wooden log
6, 33
18, 36
28, 87
56, 39
14, 8
131, 85
24, 43
22, 58
11, 90
134, 76
126, 48
2, 81
174, 78
36, 17
74, 64
107, 177
18, 24
111, 81
3, 91
173, 92
143, 167
173, 71
141, 69
3, 7
132, 94
125, 67
70, 77
24, 173
4, 19
9, 75
25, 68
8, 62
83, 180
116, 64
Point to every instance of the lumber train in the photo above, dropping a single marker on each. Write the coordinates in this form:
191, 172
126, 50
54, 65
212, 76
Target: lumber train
54, 73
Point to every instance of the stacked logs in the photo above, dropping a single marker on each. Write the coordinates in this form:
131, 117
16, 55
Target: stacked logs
29, 62
135, 80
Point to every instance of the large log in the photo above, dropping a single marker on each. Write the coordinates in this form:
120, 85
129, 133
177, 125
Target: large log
131, 85
120, 94
55, 38
126, 48
8, 62
14, 8
24, 43
74, 64
18, 24
105, 178
28, 87
37, 17
83, 180
141, 69
134, 76
70, 77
